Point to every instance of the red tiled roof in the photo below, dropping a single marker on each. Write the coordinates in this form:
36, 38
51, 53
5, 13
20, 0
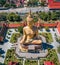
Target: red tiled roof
15, 25
12, 63
48, 63
58, 27
49, 24
1, 38
53, 4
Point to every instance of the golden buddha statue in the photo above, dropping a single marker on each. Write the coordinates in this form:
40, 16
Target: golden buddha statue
30, 34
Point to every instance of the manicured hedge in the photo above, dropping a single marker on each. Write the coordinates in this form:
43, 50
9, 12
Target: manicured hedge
14, 37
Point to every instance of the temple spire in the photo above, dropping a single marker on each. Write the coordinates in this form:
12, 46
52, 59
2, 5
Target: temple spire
29, 17
30, 12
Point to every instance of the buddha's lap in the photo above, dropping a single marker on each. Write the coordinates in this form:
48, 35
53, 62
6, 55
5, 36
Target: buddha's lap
36, 41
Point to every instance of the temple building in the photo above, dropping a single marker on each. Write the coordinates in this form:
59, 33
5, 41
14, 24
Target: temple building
58, 27
16, 2
3, 29
54, 4
13, 63
46, 1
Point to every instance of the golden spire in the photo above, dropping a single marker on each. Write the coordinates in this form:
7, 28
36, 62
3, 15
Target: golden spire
30, 12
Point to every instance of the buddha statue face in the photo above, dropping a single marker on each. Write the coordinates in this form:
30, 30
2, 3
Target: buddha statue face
30, 20
30, 23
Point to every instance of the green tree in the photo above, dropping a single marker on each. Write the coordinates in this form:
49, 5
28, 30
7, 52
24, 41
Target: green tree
42, 4
7, 5
58, 49
18, 18
20, 29
47, 28
53, 16
13, 5
43, 16
2, 2
48, 16
3, 16
14, 17
32, 2
58, 15
35, 19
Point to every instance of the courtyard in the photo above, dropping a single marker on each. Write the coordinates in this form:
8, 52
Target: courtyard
7, 45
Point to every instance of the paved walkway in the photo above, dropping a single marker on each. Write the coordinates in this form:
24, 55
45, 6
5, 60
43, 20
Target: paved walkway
7, 45
26, 9
55, 44
4, 47
42, 53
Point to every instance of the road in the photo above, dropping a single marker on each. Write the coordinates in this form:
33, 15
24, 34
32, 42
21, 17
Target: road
26, 9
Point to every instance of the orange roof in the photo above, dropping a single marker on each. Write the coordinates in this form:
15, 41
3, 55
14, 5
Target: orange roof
58, 27
15, 25
13, 63
48, 63
53, 4
49, 24
1, 38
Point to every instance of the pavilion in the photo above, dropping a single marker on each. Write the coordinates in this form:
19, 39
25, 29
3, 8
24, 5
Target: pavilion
54, 4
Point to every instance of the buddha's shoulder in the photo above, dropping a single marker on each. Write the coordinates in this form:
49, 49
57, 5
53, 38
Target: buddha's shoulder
26, 27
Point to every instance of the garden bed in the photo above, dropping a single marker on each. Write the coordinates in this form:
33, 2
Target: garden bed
52, 56
48, 37
10, 56
14, 37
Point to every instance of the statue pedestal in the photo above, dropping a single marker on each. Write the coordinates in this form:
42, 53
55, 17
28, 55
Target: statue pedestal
31, 54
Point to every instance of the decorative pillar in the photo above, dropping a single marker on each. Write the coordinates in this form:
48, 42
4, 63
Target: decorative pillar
38, 62
24, 61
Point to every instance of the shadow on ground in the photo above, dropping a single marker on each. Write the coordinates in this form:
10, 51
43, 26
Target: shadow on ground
46, 46
5, 40
2, 51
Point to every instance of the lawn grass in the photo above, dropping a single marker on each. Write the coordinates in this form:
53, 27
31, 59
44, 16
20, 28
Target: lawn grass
14, 37
31, 62
10, 56
48, 37
52, 56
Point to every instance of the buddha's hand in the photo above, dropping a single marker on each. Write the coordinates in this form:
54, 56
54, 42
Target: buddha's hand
21, 42
29, 41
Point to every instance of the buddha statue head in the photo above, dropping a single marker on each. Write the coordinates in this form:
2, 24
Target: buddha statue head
30, 19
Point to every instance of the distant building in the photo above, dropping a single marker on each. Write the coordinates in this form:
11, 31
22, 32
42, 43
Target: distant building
16, 2
48, 63
3, 30
13, 63
46, 1
54, 4
58, 27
